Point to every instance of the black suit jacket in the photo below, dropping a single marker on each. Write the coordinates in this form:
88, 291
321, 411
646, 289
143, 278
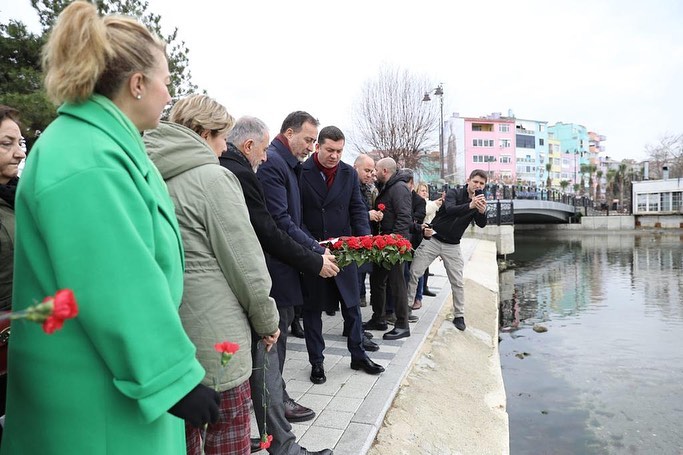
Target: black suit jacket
274, 241
339, 211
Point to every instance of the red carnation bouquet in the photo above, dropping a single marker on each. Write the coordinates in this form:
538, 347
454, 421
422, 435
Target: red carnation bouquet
386, 250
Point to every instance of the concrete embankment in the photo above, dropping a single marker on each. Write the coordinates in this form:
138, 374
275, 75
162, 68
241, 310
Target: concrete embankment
453, 401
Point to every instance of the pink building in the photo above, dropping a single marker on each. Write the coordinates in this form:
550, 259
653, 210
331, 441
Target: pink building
489, 144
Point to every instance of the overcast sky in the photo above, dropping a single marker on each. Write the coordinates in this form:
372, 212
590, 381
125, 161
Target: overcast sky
614, 66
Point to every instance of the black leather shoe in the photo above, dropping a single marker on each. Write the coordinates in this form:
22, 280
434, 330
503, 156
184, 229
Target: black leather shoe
318, 374
396, 334
428, 293
255, 445
321, 452
459, 323
294, 412
370, 345
297, 330
373, 324
367, 365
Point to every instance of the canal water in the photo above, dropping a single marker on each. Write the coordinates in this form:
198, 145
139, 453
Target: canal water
607, 375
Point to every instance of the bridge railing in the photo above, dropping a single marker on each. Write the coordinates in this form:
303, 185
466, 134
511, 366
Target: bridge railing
584, 204
500, 213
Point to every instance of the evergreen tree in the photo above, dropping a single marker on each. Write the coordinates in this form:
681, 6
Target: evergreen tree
21, 78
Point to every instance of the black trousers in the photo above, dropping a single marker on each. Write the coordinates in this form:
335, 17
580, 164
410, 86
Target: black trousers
315, 343
379, 280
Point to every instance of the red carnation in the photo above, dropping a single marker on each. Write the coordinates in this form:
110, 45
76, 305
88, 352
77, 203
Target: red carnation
266, 439
227, 347
52, 324
366, 242
64, 304
337, 245
379, 242
353, 243
381, 207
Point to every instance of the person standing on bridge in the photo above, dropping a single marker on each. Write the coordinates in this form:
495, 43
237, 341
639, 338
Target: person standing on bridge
442, 239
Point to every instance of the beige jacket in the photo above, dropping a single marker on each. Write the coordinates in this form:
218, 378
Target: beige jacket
226, 279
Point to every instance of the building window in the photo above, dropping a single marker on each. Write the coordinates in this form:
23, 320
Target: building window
676, 201
524, 141
482, 127
478, 158
506, 143
503, 128
665, 202
482, 142
505, 159
541, 142
642, 203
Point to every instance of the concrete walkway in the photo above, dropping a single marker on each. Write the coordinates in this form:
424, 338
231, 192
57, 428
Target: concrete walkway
351, 406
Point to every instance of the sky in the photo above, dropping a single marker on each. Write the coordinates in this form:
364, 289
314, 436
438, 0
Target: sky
613, 66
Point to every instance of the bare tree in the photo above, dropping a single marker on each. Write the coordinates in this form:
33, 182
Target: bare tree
669, 151
391, 118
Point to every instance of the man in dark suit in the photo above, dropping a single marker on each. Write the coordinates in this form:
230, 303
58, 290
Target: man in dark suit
247, 145
333, 207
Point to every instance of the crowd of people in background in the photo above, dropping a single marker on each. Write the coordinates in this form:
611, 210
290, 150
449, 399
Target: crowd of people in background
177, 235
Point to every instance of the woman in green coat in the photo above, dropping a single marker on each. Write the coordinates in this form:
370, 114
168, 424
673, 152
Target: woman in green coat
93, 215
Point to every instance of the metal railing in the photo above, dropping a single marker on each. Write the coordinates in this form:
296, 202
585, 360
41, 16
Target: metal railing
500, 213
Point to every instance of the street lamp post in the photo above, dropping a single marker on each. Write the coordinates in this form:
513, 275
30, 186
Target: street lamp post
438, 91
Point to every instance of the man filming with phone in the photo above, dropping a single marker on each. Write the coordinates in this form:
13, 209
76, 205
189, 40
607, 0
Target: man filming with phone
442, 239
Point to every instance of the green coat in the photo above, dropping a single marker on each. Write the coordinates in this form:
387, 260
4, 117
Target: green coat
227, 284
93, 215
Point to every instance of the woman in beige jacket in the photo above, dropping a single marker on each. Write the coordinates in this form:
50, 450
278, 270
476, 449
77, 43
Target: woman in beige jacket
226, 281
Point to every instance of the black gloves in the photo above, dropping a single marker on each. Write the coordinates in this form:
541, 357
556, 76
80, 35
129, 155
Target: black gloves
198, 407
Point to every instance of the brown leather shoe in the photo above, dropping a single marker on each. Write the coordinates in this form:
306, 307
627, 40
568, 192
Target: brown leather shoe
417, 304
294, 412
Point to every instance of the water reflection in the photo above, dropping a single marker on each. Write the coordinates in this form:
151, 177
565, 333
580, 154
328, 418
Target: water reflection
601, 380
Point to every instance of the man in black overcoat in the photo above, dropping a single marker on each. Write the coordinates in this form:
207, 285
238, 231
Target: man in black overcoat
333, 207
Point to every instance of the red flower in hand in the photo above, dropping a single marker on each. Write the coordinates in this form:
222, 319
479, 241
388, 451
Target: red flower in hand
381, 207
53, 311
64, 304
227, 349
52, 324
266, 439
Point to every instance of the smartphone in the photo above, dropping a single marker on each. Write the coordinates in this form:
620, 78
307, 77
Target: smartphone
478, 192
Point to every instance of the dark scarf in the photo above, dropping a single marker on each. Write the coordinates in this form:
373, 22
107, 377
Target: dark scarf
329, 173
9, 191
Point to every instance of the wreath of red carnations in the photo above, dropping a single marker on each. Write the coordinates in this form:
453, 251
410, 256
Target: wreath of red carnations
386, 250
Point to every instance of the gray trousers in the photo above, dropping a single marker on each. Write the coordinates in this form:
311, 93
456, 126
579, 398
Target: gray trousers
267, 390
452, 260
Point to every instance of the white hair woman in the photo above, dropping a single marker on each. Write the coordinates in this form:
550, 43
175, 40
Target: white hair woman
95, 217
